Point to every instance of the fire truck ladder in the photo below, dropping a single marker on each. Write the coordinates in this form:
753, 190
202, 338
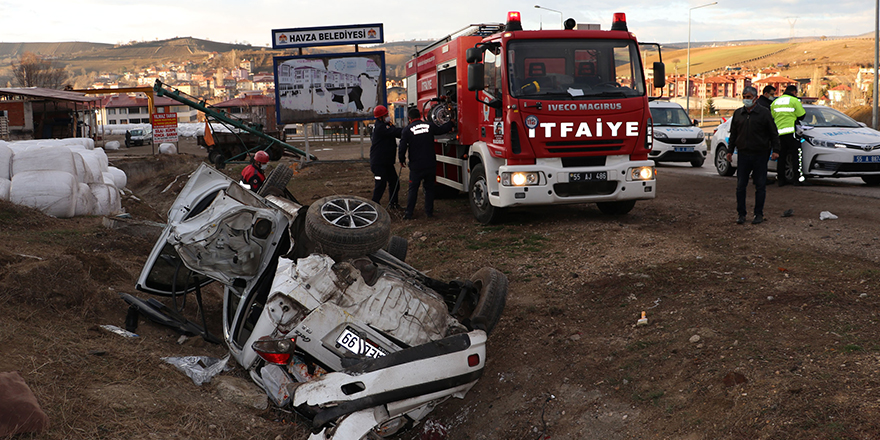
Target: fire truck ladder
481, 30
161, 89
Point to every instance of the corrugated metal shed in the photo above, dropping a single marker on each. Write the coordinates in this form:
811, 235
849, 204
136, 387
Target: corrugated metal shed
57, 95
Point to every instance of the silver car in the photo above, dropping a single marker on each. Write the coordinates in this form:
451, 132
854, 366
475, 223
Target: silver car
832, 145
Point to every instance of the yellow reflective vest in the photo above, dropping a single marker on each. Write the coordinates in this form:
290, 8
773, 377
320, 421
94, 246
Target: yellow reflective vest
786, 109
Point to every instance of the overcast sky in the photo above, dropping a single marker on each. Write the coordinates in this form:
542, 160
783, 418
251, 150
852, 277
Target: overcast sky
251, 21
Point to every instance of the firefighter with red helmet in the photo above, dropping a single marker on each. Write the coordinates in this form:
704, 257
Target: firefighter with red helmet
383, 153
253, 174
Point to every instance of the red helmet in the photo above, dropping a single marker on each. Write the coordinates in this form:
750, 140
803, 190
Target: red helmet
380, 111
261, 157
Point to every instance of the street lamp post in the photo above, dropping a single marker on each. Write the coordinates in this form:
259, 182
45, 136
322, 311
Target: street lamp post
561, 25
687, 81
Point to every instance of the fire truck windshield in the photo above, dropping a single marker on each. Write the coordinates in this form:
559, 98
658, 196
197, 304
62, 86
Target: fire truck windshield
574, 69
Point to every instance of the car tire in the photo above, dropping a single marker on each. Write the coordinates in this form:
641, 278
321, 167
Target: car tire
791, 169
723, 167
275, 152
871, 180
621, 207
345, 227
397, 247
276, 181
485, 312
478, 197
696, 163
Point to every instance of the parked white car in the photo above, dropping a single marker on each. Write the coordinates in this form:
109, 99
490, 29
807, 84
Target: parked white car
676, 137
832, 144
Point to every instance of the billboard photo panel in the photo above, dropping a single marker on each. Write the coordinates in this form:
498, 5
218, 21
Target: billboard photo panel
329, 87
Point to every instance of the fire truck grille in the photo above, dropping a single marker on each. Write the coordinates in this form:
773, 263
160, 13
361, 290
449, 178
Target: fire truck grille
584, 146
574, 189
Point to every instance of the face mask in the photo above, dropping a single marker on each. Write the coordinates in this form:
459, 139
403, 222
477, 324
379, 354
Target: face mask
263, 166
387, 119
748, 102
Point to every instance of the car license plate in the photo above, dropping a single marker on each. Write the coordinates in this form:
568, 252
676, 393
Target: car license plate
588, 176
866, 159
358, 345
684, 149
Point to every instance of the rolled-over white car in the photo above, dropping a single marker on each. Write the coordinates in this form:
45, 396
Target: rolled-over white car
832, 145
676, 138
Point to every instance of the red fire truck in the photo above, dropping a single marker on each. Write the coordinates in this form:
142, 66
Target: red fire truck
543, 117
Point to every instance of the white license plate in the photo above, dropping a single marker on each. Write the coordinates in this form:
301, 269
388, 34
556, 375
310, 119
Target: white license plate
684, 149
358, 345
866, 159
588, 176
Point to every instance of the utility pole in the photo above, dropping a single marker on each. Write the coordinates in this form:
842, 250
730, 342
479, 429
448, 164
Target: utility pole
876, 62
791, 22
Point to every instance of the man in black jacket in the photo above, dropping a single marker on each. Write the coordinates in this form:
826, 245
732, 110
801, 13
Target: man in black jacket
753, 135
418, 139
383, 152
767, 96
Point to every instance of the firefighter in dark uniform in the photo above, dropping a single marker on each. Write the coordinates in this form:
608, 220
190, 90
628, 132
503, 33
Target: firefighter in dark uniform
253, 174
383, 153
418, 139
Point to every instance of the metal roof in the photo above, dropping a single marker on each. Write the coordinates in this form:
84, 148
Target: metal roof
39, 92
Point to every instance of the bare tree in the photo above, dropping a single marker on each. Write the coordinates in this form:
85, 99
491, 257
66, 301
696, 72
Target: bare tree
33, 70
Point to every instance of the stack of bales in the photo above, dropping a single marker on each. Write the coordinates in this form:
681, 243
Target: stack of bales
61, 177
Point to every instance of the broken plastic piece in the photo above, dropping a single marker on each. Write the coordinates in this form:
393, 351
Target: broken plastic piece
119, 331
825, 215
201, 369
643, 320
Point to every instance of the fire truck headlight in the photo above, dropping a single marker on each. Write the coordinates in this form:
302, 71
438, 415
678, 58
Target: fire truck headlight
520, 179
641, 173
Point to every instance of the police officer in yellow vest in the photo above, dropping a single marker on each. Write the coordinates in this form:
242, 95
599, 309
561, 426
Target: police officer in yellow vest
786, 110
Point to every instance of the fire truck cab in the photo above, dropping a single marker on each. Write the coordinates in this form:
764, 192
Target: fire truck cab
543, 117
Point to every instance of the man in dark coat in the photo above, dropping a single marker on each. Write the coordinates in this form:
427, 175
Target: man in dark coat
753, 135
418, 139
383, 153
767, 96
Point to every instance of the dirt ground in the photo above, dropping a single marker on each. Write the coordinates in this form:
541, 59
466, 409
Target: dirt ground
754, 332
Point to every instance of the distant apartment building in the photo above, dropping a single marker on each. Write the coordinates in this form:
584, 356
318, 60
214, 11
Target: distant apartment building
246, 65
127, 109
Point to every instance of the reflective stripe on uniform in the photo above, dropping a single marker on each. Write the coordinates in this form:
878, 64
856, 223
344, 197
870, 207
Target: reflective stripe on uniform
782, 100
786, 130
784, 109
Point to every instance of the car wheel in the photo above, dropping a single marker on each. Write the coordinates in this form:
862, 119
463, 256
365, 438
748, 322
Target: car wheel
696, 163
616, 208
723, 167
871, 180
484, 311
276, 181
275, 152
347, 226
214, 157
398, 247
478, 197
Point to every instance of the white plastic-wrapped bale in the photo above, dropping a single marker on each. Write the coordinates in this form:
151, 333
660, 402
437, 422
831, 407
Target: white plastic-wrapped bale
111, 145
53, 192
167, 148
118, 176
4, 189
86, 203
52, 158
107, 178
81, 173
102, 157
93, 171
5, 161
108, 201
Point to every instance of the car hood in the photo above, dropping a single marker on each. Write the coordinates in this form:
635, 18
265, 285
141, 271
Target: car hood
846, 135
678, 132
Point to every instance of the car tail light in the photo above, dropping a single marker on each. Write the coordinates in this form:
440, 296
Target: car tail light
473, 360
275, 351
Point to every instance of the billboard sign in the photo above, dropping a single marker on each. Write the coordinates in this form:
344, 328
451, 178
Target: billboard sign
164, 127
329, 87
328, 36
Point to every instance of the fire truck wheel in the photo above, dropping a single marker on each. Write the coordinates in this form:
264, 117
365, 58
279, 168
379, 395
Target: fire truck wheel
478, 197
484, 311
277, 179
347, 226
616, 208
723, 167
